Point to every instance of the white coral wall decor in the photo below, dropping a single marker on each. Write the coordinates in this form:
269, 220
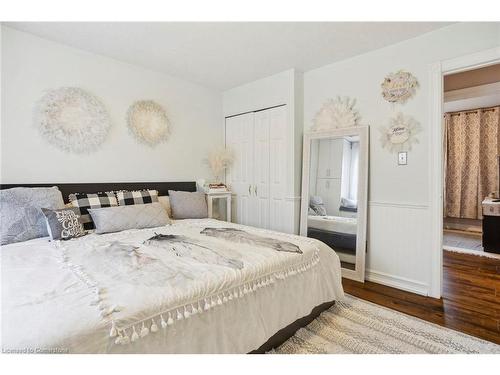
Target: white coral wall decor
400, 135
148, 122
72, 119
336, 113
399, 87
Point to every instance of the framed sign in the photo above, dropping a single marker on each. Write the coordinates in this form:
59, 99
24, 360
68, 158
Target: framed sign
399, 87
400, 135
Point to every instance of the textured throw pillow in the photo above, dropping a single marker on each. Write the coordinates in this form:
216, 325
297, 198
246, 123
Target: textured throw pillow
85, 201
126, 198
186, 205
21, 214
63, 224
312, 212
137, 216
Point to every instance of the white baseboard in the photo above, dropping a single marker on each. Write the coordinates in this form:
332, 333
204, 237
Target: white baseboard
398, 282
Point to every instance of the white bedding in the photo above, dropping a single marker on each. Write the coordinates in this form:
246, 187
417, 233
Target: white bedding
69, 296
337, 224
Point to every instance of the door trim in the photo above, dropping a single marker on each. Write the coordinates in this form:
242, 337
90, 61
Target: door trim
437, 71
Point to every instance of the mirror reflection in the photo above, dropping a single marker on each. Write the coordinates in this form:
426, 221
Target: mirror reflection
333, 195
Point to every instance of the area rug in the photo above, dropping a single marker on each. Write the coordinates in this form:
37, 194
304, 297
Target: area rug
480, 253
360, 327
463, 241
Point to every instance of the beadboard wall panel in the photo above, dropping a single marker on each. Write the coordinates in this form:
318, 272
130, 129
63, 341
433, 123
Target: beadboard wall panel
399, 246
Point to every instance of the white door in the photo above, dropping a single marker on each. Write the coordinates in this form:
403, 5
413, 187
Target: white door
335, 159
324, 170
258, 174
329, 190
279, 217
239, 138
262, 121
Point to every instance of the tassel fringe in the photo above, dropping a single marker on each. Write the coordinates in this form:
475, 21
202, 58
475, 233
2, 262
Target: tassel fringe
186, 311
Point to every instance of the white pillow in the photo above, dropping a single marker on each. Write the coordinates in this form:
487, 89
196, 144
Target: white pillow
349, 203
187, 205
165, 202
135, 216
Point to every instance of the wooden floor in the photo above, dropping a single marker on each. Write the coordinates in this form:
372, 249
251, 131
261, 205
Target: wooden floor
470, 302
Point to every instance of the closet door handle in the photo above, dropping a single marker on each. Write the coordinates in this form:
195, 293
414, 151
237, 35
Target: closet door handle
255, 190
249, 189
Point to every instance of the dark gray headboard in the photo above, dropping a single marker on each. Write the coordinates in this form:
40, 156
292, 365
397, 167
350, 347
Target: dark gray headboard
66, 189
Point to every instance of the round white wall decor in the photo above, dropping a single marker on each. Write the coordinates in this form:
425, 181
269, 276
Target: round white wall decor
336, 113
400, 135
72, 119
148, 122
399, 87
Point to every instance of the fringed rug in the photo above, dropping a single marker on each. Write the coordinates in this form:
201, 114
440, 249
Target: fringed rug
356, 326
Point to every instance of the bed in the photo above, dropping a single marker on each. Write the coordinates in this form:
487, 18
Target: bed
195, 286
337, 232
339, 224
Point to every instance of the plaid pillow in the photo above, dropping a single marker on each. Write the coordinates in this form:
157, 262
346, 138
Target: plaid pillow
126, 198
84, 201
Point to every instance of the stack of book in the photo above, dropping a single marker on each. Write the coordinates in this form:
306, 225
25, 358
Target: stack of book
217, 188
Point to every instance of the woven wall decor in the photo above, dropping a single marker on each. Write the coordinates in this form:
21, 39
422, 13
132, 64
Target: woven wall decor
148, 122
336, 113
400, 135
399, 87
72, 120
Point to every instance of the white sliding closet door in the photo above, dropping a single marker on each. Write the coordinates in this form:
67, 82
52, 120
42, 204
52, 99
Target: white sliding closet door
279, 215
239, 138
262, 122
258, 174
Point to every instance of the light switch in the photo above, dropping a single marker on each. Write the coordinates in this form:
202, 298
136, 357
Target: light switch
402, 158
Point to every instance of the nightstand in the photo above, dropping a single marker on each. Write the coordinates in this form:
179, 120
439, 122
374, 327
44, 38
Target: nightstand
491, 223
211, 196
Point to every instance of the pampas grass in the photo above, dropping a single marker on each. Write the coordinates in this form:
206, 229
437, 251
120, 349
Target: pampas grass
219, 160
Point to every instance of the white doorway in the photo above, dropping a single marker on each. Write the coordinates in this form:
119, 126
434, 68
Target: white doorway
437, 71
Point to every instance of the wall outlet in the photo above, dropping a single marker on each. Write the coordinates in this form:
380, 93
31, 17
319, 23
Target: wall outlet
402, 158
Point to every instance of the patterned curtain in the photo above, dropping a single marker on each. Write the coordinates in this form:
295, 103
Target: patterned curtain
471, 160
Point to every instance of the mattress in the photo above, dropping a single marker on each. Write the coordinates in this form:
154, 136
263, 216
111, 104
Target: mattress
337, 224
196, 286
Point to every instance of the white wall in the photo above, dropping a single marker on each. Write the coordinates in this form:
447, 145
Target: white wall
263, 93
399, 251
31, 65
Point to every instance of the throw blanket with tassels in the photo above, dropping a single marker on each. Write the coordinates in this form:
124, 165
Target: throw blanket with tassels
145, 280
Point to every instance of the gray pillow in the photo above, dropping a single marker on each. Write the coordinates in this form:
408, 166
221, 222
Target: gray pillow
136, 216
316, 204
349, 203
63, 224
21, 214
186, 205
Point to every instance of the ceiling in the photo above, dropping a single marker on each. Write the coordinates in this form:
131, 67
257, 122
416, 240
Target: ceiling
224, 55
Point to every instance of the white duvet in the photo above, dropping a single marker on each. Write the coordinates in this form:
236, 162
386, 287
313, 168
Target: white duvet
337, 224
203, 286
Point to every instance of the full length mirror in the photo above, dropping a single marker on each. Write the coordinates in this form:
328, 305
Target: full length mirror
334, 191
